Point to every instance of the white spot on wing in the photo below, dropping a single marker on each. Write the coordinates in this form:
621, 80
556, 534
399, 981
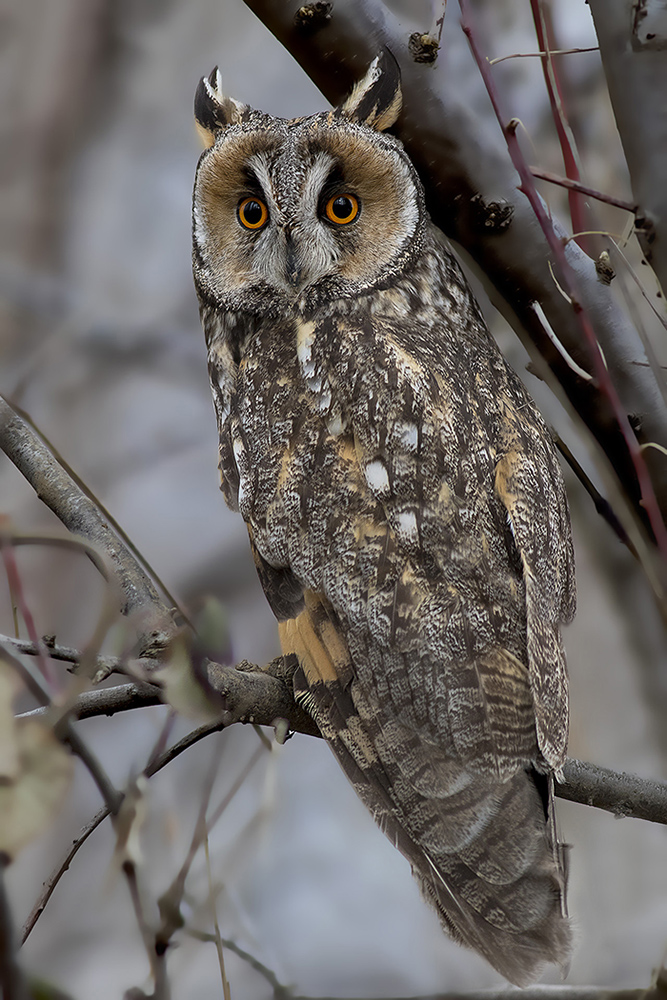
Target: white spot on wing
406, 525
376, 477
407, 435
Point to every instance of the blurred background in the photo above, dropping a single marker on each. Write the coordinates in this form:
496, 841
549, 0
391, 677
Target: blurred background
101, 343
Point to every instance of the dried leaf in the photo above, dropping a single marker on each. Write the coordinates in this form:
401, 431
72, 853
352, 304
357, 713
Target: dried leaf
213, 635
186, 685
33, 795
10, 686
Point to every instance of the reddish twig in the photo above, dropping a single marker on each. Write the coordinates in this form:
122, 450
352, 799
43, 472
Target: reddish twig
565, 137
567, 182
16, 589
569, 284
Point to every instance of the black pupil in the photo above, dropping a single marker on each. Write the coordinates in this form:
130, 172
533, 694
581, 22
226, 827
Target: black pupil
342, 207
252, 212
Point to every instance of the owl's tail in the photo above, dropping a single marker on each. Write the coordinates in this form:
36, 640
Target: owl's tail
479, 845
500, 890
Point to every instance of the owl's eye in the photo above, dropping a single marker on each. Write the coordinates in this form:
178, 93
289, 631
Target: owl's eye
342, 208
252, 213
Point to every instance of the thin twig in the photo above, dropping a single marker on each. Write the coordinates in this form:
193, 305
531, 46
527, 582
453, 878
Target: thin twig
171, 899
66, 654
57, 873
157, 765
602, 505
19, 599
541, 55
156, 956
280, 992
656, 312
216, 926
563, 130
568, 182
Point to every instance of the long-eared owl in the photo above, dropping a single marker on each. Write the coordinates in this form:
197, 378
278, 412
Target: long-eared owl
403, 499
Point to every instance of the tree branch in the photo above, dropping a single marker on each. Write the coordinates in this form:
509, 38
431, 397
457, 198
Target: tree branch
567, 182
52, 483
153, 767
634, 62
531, 993
262, 696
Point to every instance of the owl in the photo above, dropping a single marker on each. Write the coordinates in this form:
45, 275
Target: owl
403, 501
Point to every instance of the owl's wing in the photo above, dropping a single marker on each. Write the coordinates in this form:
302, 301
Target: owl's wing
468, 564
529, 485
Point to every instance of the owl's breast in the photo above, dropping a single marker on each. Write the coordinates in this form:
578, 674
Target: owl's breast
377, 523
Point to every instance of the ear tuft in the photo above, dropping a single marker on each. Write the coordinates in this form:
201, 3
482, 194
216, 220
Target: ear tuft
213, 110
376, 99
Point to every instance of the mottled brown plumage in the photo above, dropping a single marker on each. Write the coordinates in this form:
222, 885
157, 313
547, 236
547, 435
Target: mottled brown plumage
403, 500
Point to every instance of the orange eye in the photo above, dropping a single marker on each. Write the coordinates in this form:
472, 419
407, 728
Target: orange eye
252, 213
342, 208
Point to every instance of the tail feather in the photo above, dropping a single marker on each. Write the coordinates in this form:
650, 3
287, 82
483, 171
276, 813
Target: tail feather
479, 844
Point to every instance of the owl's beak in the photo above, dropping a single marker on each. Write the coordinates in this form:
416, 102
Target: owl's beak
293, 268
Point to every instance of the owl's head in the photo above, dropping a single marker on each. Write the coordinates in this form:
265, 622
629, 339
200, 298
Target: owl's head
309, 209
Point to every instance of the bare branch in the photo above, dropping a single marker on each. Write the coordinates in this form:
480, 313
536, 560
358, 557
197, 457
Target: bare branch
532, 993
109, 701
55, 876
33, 457
634, 63
619, 793
567, 182
262, 696
156, 765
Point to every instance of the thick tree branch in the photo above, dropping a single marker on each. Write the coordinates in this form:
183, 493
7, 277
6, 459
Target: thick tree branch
459, 159
532, 993
633, 57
